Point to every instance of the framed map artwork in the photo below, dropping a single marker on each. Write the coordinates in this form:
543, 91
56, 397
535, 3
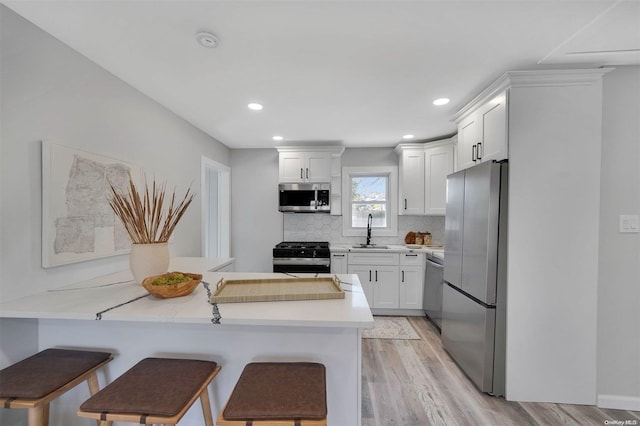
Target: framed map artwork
77, 221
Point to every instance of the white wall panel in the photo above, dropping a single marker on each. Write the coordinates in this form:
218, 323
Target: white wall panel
619, 265
554, 187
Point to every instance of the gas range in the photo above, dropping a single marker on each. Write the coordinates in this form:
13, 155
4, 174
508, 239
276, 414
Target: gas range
302, 256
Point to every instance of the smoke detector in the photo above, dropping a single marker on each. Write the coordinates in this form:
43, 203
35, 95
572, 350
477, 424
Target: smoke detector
207, 39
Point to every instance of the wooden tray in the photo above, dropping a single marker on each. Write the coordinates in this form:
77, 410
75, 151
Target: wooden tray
276, 289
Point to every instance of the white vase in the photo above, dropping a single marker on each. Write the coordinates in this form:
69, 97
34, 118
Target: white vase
147, 260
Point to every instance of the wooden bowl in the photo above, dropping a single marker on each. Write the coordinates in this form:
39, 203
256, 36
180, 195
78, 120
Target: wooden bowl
172, 290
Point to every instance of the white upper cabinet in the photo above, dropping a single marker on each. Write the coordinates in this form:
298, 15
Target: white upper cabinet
467, 138
438, 163
318, 167
412, 181
304, 166
423, 176
482, 133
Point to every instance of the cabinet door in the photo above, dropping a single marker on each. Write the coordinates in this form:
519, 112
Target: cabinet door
412, 182
412, 259
291, 167
438, 164
411, 287
493, 122
385, 287
365, 276
339, 263
467, 138
376, 258
318, 167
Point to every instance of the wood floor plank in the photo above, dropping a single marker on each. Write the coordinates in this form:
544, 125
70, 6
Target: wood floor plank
416, 383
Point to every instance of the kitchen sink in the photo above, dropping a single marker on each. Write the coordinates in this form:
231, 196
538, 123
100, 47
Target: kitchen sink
370, 246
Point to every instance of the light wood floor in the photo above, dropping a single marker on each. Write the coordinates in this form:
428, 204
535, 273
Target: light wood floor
415, 383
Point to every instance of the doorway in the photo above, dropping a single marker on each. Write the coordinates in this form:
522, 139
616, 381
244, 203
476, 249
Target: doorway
216, 202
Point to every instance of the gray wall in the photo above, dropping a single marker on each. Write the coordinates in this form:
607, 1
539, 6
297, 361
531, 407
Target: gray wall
52, 93
619, 261
256, 224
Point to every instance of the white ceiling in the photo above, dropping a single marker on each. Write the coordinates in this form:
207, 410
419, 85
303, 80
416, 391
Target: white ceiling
359, 73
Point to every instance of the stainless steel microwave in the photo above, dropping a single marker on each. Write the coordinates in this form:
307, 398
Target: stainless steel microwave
305, 197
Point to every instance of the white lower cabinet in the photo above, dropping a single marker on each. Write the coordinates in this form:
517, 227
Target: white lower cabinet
411, 280
411, 287
385, 287
339, 263
389, 280
380, 284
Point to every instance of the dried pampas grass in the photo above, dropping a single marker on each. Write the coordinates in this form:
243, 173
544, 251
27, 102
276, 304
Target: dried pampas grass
145, 216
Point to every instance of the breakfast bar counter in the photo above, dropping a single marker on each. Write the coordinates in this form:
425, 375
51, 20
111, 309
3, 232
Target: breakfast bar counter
115, 314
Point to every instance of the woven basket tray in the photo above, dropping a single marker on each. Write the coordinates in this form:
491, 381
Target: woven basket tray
276, 289
173, 290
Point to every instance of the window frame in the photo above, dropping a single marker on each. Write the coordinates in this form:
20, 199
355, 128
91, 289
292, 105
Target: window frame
391, 173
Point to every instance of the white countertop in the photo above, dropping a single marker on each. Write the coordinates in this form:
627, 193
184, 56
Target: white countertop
391, 248
116, 297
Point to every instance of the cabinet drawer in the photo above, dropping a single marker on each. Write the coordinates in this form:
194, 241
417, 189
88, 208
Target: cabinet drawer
373, 259
412, 259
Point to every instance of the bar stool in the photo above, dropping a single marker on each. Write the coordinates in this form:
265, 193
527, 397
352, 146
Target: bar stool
278, 394
36, 381
155, 390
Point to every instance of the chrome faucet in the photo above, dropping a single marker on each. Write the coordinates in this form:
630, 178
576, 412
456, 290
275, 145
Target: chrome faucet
369, 221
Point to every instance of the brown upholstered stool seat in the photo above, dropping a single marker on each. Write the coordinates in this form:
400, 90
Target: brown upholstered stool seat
278, 393
35, 381
155, 390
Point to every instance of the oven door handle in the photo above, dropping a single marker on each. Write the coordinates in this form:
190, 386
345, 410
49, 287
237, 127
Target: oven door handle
322, 261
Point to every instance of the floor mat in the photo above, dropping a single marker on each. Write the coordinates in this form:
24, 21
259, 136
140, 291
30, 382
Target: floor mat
391, 328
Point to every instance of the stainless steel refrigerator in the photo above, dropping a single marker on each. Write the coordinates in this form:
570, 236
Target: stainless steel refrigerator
473, 301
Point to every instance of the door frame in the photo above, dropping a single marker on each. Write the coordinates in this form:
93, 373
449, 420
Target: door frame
222, 246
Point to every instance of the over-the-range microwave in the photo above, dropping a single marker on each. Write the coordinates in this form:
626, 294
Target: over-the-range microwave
305, 197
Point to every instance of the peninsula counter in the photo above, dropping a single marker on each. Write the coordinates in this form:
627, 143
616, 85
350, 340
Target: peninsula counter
113, 313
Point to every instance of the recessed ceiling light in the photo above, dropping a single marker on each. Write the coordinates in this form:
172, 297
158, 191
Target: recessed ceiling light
207, 39
255, 106
277, 138
441, 101
408, 137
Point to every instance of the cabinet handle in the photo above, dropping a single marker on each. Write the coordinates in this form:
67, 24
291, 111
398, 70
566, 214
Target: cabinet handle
307, 173
369, 275
479, 150
474, 153
301, 175
411, 255
405, 203
402, 276
338, 255
376, 276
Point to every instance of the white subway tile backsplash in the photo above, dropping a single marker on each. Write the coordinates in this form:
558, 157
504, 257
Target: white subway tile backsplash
324, 227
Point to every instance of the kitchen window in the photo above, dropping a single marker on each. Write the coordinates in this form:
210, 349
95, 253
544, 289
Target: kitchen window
369, 190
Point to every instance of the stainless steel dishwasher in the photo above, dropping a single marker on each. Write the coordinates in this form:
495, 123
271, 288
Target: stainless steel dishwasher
432, 296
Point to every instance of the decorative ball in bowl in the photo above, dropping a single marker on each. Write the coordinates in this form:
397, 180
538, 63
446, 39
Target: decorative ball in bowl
172, 284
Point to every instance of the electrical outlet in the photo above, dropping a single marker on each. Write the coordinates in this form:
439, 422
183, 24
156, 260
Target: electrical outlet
629, 223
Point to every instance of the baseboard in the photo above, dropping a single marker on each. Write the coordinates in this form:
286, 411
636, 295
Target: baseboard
619, 402
399, 312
